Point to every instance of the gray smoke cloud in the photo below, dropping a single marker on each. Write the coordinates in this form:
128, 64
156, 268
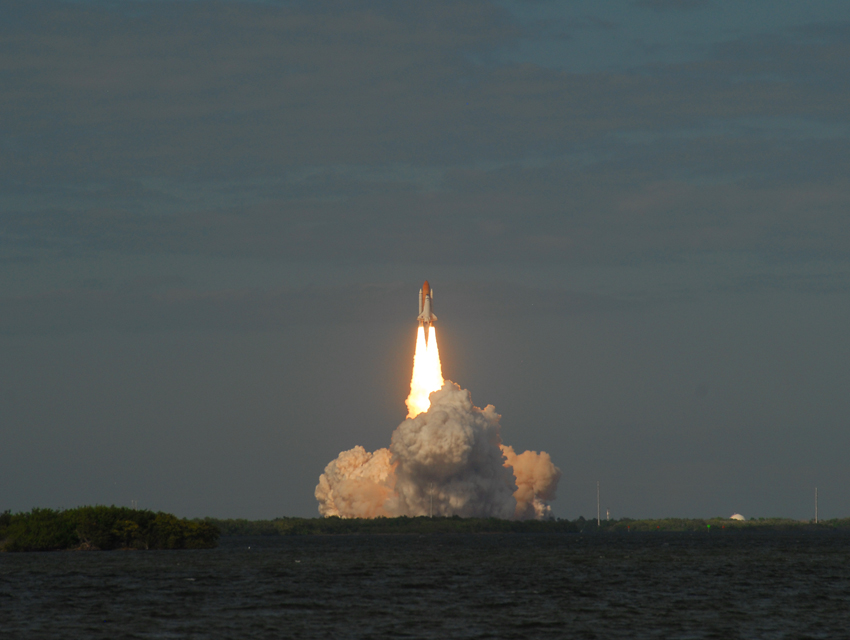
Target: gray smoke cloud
447, 461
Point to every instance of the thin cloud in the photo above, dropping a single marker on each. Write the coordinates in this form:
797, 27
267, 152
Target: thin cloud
673, 5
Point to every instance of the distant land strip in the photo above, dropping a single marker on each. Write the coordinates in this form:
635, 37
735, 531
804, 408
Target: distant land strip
102, 528
110, 528
456, 524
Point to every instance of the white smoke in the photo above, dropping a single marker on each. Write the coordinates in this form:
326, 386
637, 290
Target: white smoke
450, 454
447, 461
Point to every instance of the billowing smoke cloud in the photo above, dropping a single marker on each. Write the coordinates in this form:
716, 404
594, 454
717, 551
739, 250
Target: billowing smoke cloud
450, 454
446, 461
536, 479
358, 484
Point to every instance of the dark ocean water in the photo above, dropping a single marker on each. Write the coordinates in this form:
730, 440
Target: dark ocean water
440, 586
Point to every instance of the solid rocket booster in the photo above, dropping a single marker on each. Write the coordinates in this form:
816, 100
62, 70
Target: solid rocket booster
426, 317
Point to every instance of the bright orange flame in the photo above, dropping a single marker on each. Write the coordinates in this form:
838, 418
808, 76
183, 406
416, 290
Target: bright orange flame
427, 373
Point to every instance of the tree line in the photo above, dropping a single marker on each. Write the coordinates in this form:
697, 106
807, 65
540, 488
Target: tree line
122, 528
102, 528
455, 524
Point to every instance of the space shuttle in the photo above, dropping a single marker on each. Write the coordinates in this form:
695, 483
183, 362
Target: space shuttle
426, 316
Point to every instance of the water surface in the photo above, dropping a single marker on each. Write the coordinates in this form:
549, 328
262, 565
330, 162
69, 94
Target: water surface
743, 585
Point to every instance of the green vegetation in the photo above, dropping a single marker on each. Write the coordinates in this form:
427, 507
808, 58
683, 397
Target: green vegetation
423, 525
102, 528
403, 524
723, 524
120, 528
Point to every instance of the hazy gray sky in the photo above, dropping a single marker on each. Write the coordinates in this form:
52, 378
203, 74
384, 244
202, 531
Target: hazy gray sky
215, 217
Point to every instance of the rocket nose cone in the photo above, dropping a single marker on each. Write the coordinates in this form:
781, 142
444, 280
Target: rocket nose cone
426, 288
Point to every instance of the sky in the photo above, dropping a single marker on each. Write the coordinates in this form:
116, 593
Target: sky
215, 218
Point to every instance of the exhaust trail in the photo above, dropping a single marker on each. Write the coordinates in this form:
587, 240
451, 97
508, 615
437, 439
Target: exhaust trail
446, 458
427, 372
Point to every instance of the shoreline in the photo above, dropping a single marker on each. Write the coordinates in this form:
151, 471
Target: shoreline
425, 526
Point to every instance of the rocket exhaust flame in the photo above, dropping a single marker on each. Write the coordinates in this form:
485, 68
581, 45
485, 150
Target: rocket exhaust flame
446, 458
427, 372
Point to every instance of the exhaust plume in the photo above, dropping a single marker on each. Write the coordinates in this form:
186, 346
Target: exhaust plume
446, 460
427, 372
536, 479
357, 484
